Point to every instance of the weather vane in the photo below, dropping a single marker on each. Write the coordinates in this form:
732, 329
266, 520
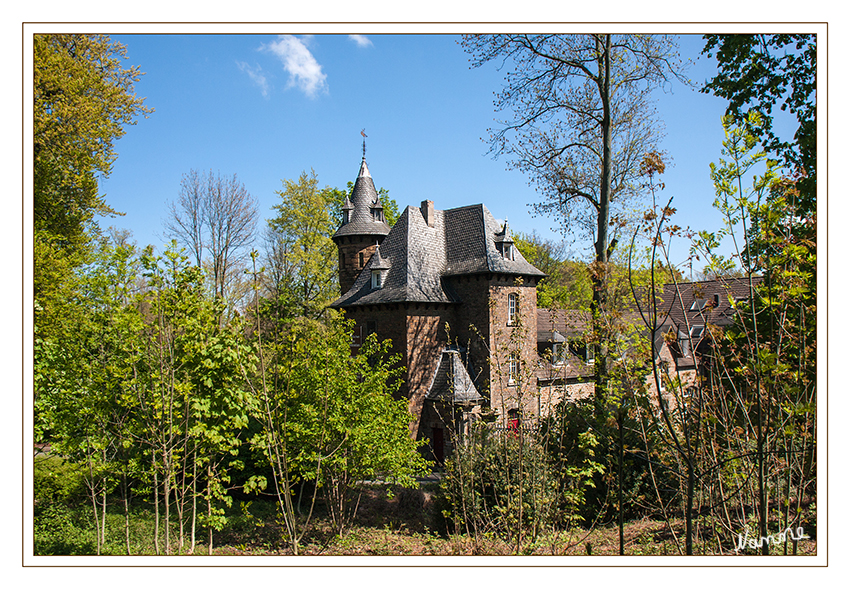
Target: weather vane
363, 132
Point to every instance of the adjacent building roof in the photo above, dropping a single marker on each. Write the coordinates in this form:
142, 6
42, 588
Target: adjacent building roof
561, 325
689, 304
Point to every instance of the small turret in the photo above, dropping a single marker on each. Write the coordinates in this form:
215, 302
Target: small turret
363, 228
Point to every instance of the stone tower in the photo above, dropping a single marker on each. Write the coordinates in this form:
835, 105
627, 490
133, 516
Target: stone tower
363, 228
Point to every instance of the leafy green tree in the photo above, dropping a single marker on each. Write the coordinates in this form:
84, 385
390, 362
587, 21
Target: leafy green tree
325, 416
347, 424
189, 400
760, 72
81, 371
83, 98
767, 360
301, 258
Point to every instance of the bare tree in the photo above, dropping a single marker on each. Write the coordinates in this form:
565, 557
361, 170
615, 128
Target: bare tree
215, 218
186, 223
582, 122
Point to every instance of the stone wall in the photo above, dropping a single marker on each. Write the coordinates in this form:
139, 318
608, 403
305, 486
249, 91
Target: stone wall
354, 254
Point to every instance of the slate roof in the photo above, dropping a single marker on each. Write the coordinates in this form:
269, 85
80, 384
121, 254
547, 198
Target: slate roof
471, 234
693, 305
462, 241
364, 198
699, 303
451, 382
561, 325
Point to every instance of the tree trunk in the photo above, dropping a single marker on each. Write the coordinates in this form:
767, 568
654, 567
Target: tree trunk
599, 273
156, 507
620, 479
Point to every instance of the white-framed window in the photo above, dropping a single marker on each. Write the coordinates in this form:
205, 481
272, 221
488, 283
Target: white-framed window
513, 305
513, 368
377, 279
697, 331
507, 251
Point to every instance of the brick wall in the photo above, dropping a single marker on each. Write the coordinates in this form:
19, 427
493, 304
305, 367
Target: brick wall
417, 331
518, 337
426, 339
351, 262
474, 291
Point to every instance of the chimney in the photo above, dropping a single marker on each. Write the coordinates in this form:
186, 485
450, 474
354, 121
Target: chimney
427, 208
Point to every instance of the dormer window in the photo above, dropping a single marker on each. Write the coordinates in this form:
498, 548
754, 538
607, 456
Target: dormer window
377, 279
684, 344
697, 331
380, 267
559, 354
698, 305
347, 207
377, 210
504, 243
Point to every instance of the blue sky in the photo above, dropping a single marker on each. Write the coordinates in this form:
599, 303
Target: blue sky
267, 107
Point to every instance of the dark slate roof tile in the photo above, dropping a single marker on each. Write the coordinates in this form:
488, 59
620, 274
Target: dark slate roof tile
461, 241
364, 198
451, 382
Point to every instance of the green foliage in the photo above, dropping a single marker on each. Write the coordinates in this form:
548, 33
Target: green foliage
334, 414
56, 480
593, 462
58, 529
301, 257
82, 99
517, 485
758, 72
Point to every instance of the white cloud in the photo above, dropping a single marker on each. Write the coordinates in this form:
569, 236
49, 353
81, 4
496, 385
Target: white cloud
256, 75
304, 71
361, 40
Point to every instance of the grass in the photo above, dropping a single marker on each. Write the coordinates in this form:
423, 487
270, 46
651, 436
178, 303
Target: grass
405, 523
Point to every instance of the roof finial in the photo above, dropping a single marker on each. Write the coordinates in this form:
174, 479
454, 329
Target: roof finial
363, 132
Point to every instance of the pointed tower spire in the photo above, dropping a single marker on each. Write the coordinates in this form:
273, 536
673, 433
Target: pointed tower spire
363, 227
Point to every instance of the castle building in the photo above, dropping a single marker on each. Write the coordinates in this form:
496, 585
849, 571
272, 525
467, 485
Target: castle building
455, 297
